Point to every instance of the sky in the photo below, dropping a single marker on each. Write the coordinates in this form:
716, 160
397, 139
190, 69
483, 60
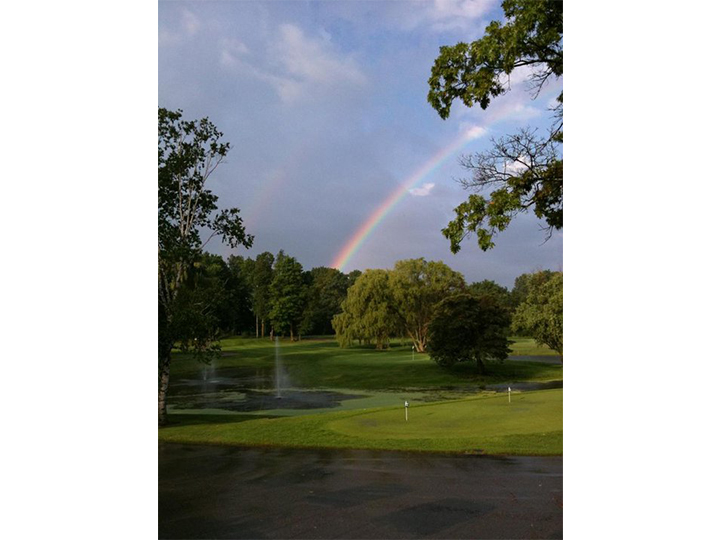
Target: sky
337, 158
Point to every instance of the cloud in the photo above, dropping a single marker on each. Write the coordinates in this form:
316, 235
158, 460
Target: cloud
188, 26
473, 131
231, 50
423, 191
446, 15
190, 22
299, 67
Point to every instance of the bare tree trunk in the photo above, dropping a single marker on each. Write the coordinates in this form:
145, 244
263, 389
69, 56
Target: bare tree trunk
257, 327
163, 383
292, 338
263, 328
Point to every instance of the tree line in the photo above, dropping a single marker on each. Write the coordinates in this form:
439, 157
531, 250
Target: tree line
273, 296
268, 296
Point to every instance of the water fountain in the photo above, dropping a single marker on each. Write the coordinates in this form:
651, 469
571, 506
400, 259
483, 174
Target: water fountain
277, 368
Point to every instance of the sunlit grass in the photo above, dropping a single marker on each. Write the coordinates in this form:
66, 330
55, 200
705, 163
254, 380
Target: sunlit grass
530, 425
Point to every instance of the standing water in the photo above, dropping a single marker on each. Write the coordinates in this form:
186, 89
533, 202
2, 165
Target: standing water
277, 368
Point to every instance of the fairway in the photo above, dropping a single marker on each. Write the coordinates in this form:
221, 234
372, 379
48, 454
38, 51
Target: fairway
321, 363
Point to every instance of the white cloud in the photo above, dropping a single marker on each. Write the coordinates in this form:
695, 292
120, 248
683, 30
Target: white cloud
188, 26
457, 14
230, 51
298, 66
190, 22
422, 191
473, 131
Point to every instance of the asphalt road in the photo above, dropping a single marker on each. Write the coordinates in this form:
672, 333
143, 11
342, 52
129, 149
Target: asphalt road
229, 492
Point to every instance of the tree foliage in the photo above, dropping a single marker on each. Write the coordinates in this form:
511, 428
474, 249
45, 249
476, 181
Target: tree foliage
488, 287
188, 153
287, 295
261, 271
540, 315
524, 170
469, 328
327, 288
417, 286
368, 312
523, 284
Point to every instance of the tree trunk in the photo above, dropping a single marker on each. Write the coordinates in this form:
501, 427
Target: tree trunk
292, 338
263, 328
257, 327
481, 367
163, 382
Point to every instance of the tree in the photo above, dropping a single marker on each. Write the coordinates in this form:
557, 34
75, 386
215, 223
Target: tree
488, 287
523, 284
525, 169
541, 314
468, 328
240, 293
326, 291
417, 286
287, 295
368, 312
262, 276
188, 153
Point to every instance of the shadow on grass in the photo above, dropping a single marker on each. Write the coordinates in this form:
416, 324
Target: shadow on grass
179, 420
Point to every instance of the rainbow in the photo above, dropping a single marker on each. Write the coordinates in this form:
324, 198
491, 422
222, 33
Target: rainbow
371, 223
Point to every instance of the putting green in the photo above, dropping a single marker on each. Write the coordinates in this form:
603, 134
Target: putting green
490, 416
530, 425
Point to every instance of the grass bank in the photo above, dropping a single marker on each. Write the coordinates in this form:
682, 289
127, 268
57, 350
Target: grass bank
530, 425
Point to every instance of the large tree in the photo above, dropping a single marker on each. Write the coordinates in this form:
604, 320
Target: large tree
327, 289
417, 286
469, 328
287, 295
523, 284
188, 153
368, 312
540, 315
525, 169
488, 287
261, 270
240, 293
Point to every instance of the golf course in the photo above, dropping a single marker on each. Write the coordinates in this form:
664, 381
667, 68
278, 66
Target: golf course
313, 394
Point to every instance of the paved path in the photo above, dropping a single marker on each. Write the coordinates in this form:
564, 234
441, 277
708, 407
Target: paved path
226, 492
537, 358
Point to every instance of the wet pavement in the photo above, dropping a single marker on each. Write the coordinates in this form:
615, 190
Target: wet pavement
230, 492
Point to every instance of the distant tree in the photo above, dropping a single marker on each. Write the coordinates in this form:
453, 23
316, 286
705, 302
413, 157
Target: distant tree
188, 153
490, 288
287, 295
525, 170
417, 286
352, 277
368, 313
240, 293
541, 314
468, 328
262, 276
523, 284
327, 288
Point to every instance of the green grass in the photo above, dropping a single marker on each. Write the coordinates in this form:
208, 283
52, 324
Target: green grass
524, 346
320, 363
530, 425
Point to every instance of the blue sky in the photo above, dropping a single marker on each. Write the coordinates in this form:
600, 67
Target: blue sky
325, 106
